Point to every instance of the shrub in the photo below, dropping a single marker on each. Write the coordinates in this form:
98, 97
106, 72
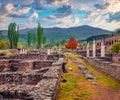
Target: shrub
115, 47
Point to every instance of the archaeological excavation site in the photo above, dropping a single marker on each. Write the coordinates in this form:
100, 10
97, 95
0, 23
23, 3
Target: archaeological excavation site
30, 76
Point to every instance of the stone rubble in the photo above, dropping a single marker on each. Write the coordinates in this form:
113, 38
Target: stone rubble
38, 83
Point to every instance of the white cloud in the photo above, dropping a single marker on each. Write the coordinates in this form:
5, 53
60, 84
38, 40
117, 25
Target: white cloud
58, 2
65, 22
34, 15
4, 12
100, 17
113, 6
76, 21
25, 2
9, 7
21, 11
100, 12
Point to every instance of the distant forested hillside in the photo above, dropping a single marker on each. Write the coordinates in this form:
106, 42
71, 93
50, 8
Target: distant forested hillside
80, 32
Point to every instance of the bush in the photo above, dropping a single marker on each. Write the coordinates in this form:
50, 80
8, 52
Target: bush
4, 44
115, 47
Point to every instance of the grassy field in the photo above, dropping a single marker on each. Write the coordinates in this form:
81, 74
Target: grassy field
78, 87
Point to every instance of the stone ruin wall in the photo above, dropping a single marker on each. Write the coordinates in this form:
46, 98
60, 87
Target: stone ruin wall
20, 65
29, 79
46, 88
116, 58
25, 56
108, 67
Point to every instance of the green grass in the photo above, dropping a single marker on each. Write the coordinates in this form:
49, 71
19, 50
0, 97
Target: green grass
106, 80
76, 87
7, 51
103, 78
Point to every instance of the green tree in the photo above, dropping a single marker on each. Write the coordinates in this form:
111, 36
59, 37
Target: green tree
40, 36
117, 31
115, 47
34, 40
29, 39
0, 35
13, 35
44, 40
16, 38
62, 42
57, 44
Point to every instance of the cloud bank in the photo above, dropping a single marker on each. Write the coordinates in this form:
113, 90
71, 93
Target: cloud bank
61, 13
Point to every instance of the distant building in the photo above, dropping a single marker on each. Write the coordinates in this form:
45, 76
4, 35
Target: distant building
108, 43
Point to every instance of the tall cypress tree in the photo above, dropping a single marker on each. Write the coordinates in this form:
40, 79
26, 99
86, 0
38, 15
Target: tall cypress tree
16, 38
13, 35
40, 36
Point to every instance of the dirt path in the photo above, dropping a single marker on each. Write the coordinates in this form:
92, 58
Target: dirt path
77, 87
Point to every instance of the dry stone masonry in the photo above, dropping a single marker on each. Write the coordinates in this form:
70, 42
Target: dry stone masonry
33, 76
108, 67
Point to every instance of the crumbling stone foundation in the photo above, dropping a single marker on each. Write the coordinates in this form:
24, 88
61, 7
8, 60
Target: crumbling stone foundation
108, 67
30, 78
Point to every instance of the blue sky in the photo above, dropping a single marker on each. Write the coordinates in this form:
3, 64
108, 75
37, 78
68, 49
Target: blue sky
60, 13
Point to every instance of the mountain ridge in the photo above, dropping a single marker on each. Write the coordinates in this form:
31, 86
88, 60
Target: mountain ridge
56, 33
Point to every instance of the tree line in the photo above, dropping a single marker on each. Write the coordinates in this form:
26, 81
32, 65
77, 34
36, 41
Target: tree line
37, 39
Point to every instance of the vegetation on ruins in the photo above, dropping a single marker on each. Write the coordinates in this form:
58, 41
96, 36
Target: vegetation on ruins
115, 47
13, 35
71, 44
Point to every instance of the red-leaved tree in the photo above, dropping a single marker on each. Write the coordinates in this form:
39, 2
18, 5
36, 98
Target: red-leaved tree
71, 44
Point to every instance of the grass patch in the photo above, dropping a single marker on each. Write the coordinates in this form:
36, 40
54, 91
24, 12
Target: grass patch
106, 80
5, 51
76, 87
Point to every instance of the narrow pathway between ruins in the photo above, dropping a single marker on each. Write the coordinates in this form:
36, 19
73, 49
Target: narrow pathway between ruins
79, 87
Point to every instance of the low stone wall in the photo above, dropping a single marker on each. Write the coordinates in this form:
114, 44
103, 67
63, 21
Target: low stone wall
38, 84
42, 64
116, 58
23, 65
108, 67
30, 77
46, 88
26, 56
